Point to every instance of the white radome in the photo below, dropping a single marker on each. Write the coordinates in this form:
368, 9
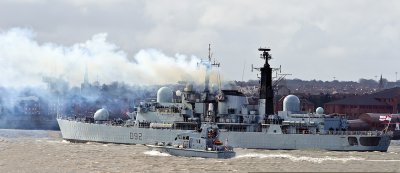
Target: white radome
101, 115
164, 95
178, 93
291, 103
319, 110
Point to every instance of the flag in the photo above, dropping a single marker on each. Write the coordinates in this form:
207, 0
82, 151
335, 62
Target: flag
389, 118
385, 118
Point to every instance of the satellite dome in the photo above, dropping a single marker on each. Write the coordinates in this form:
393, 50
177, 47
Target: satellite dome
291, 103
319, 110
164, 95
101, 115
178, 93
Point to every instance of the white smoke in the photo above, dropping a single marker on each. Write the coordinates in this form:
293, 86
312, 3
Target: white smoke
24, 62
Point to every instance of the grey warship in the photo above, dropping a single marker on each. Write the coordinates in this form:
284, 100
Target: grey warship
200, 143
241, 124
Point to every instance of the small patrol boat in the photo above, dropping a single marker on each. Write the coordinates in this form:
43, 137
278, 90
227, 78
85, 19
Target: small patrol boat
202, 143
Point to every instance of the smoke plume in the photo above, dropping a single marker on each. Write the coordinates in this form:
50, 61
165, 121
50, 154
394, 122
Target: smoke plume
24, 62
40, 80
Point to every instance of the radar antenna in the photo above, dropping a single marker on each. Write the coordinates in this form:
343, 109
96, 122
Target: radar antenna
279, 76
265, 55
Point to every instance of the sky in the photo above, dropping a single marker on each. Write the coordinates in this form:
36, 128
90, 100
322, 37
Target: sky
158, 41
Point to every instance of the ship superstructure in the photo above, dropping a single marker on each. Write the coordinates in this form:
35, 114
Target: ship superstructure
241, 124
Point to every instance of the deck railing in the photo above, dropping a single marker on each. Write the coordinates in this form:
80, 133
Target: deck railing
368, 133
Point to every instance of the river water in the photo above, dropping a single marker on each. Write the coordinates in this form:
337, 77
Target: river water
46, 151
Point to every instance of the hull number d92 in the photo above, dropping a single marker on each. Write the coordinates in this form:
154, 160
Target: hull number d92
135, 136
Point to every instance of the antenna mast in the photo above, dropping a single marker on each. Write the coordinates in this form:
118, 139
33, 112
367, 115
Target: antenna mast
209, 52
266, 90
208, 64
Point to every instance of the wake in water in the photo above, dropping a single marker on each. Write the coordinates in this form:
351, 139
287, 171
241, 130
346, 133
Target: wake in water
156, 153
297, 159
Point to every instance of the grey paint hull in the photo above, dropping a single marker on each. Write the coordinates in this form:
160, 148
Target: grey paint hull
194, 153
80, 131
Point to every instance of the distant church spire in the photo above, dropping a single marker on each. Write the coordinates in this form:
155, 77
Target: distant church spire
86, 77
85, 85
380, 86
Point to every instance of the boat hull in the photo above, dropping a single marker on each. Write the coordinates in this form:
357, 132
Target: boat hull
194, 153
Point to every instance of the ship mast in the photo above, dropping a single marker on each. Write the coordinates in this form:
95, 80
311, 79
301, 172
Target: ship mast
208, 99
266, 91
209, 64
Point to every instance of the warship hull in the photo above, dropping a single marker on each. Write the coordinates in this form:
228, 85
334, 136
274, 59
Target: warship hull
80, 131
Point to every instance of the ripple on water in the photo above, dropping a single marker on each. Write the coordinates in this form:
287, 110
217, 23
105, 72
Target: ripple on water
156, 153
299, 158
